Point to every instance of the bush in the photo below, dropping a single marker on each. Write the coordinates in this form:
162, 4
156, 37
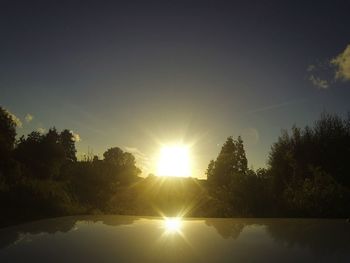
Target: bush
32, 198
318, 196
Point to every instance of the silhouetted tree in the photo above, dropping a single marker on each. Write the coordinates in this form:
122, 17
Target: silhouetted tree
294, 158
230, 162
231, 183
68, 143
7, 133
307, 175
122, 165
210, 170
95, 181
44, 154
318, 196
7, 138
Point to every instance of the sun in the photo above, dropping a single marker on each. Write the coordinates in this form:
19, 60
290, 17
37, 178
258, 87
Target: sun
174, 161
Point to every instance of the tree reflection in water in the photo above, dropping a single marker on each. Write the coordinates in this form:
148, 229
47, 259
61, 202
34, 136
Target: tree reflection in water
181, 238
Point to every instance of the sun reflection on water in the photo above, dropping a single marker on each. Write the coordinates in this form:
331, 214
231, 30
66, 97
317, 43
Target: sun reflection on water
172, 225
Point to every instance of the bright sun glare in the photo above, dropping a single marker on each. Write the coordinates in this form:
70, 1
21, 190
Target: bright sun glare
174, 161
172, 225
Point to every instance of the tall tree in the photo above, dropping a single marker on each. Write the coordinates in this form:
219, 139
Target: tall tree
68, 143
230, 161
240, 158
7, 133
9, 168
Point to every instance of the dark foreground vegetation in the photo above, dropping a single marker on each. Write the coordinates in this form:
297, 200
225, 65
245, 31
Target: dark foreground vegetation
307, 176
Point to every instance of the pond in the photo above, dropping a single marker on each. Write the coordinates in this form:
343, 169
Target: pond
148, 239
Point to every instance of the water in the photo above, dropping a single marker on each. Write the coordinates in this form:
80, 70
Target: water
137, 239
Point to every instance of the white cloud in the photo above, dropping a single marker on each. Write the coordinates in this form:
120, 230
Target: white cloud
28, 118
41, 130
76, 136
323, 75
15, 119
318, 82
342, 64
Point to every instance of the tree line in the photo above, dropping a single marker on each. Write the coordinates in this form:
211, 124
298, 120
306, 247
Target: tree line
307, 176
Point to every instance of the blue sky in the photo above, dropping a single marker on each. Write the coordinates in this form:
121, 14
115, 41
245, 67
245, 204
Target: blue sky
138, 75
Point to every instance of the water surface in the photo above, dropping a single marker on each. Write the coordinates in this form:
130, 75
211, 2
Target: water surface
138, 239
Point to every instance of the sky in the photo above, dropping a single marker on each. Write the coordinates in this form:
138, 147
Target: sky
139, 75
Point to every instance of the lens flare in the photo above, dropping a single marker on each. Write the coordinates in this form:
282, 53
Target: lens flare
172, 225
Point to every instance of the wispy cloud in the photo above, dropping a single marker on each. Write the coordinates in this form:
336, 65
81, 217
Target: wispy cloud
275, 106
29, 117
318, 82
142, 159
318, 75
310, 68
